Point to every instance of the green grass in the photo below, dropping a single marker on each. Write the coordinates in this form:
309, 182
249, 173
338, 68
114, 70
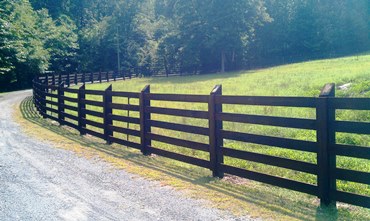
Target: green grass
301, 79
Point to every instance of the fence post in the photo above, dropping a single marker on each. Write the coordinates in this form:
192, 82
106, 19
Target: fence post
35, 99
36, 95
81, 106
68, 80
76, 80
114, 76
99, 76
107, 74
325, 116
47, 79
59, 78
60, 103
107, 100
53, 79
33, 91
144, 118
83, 78
215, 126
43, 96
39, 94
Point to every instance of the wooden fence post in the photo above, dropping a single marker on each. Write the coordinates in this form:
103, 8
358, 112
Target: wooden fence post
53, 79
39, 105
68, 80
43, 96
59, 78
99, 76
47, 79
107, 75
76, 80
83, 78
92, 77
215, 126
33, 91
114, 76
35, 96
81, 106
325, 117
60, 103
144, 118
107, 100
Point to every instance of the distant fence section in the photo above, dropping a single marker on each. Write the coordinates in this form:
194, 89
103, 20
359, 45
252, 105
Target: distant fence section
50, 90
89, 77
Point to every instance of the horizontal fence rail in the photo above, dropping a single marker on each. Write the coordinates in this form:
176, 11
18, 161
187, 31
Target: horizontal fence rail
72, 107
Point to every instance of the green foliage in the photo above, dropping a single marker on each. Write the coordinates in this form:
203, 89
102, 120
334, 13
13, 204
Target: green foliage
307, 29
151, 37
63, 45
24, 37
32, 42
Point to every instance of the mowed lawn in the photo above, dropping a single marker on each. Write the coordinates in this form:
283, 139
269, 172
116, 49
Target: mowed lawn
300, 79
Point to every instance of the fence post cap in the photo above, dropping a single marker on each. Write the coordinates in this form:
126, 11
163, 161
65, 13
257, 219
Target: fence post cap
146, 88
217, 89
328, 90
109, 88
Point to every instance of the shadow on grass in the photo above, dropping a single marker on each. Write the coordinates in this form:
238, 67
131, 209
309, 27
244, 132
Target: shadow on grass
268, 198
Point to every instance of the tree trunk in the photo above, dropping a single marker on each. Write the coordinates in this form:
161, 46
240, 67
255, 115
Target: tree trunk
165, 65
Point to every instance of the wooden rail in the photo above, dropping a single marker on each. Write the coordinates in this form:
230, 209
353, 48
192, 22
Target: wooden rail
51, 101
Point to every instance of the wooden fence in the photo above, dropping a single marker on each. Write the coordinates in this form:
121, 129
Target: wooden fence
76, 78
325, 125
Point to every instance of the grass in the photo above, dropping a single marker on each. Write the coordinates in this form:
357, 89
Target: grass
302, 79
239, 196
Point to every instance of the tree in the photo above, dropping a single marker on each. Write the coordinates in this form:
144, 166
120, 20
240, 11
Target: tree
149, 37
63, 45
31, 43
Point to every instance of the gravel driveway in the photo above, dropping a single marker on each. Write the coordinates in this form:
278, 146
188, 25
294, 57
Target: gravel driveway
40, 182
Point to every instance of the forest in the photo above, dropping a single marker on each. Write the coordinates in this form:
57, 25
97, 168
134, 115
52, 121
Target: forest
163, 37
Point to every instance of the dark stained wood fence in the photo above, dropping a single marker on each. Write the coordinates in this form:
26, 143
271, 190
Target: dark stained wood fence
325, 125
76, 78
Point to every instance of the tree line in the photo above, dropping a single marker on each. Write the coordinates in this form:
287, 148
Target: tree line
150, 37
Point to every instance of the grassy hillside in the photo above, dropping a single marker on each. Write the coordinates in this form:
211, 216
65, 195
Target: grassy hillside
301, 79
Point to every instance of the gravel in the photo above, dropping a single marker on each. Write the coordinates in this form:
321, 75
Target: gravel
40, 182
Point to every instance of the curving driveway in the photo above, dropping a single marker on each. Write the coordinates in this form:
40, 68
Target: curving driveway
40, 182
